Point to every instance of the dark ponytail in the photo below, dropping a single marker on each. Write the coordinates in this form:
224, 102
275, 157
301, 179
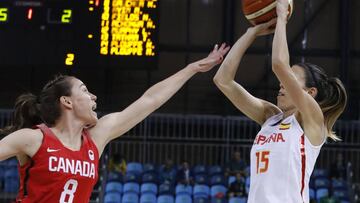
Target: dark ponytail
331, 96
26, 114
31, 110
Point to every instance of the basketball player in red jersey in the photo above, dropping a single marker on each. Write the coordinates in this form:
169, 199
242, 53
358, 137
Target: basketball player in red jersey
58, 160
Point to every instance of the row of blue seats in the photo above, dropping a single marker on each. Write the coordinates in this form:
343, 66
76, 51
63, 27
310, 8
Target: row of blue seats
138, 168
323, 182
151, 198
339, 194
165, 189
150, 177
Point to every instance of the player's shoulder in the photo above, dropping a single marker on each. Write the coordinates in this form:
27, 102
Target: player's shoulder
29, 134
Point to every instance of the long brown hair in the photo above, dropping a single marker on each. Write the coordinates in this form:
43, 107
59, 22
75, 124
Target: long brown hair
331, 95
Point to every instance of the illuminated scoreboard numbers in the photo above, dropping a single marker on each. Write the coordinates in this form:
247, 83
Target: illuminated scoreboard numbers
69, 59
66, 16
59, 15
4, 14
132, 29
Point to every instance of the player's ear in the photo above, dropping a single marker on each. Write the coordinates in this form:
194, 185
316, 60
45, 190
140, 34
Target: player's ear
312, 91
66, 102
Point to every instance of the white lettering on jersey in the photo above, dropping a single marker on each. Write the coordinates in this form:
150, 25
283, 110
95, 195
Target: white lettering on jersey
275, 137
75, 167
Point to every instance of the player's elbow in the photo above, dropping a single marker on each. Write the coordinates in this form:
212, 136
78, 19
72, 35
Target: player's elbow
220, 80
278, 62
216, 80
153, 102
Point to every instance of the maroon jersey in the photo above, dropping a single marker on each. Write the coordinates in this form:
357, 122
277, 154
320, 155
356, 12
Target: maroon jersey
58, 174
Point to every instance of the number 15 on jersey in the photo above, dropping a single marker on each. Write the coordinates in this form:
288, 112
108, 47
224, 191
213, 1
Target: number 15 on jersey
262, 161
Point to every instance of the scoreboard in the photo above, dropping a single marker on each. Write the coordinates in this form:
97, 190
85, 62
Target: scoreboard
79, 33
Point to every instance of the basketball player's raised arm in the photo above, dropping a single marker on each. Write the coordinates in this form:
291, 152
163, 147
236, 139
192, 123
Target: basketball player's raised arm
254, 108
114, 125
24, 141
307, 106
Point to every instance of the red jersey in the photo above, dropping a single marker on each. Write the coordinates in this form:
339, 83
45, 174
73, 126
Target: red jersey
58, 174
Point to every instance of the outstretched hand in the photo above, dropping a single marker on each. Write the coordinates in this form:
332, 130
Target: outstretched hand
264, 28
214, 58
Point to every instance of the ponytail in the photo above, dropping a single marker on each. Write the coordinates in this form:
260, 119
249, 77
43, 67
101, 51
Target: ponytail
333, 105
331, 95
26, 114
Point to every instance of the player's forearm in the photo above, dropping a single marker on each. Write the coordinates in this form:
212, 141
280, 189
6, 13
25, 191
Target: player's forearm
228, 68
164, 90
280, 52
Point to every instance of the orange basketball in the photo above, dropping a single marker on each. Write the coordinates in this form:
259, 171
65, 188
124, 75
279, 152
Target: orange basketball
261, 11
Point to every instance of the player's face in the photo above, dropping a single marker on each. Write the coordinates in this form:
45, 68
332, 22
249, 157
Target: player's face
283, 99
83, 102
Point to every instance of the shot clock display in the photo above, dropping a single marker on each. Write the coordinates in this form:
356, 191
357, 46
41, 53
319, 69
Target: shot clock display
78, 34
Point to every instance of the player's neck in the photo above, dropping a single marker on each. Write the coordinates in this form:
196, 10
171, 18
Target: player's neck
69, 132
289, 112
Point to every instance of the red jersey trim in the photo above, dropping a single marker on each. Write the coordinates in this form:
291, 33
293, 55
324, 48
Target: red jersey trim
303, 163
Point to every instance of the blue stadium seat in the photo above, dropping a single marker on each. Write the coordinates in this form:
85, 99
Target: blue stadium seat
247, 184
215, 170
321, 183
148, 198
134, 167
11, 163
231, 180
201, 200
217, 180
183, 189
201, 191
199, 169
131, 177
149, 188
131, 187
320, 173
312, 194
201, 179
149, 177
237, 200
115, 176
339, 184
183, 198
216, 189
218, 200
130, 198
112, 197
248, 170
11, 185
322, 192
341, 194
149, 168
11, 172
113, 187
166, 189
165, 199
11, 180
